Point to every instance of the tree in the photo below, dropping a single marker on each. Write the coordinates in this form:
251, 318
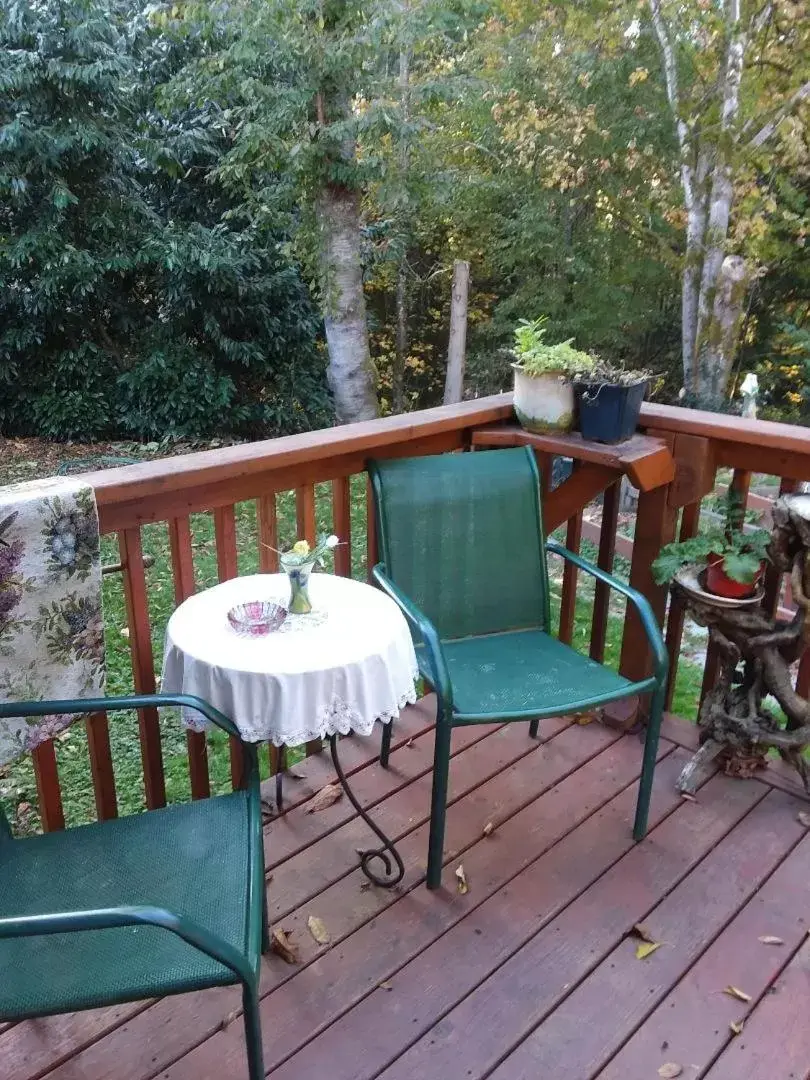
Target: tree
287, 75
718, 65
134, 300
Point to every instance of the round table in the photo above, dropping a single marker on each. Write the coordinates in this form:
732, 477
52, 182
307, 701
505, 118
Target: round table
340, 669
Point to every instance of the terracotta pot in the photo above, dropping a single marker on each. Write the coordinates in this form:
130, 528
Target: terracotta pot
719, 583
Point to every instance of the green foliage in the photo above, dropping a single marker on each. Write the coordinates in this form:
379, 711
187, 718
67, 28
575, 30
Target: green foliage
536, 357
134, 301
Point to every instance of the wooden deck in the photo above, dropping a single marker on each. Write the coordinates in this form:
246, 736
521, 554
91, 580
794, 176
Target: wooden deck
532, 973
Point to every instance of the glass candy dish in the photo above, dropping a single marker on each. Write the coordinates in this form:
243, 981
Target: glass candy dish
257, 617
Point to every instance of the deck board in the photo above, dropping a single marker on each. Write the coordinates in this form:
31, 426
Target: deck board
538, 947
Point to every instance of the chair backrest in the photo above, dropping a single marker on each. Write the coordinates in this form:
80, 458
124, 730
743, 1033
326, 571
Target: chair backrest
462, 536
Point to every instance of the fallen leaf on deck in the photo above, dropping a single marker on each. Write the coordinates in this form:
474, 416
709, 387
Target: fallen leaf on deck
386, 986
583, 718
317, 928
735, 992
409, 744
281, 945
489, 828
228, 1020
804, 818
642, 933
769, 939
327, 796
461, 881
737, 1027
365, 886
670, 1070
646, 948
689, 798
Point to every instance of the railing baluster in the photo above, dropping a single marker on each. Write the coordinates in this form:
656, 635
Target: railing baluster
48, 790
305, 513
740, 483
607, 550
101, 765
342, 525
568, 600
268, 533
372, 553
184, 586
227, 568
143, 671
690, 520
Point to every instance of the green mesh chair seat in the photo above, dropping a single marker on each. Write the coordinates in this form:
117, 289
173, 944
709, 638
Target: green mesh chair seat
162, 902
191, 859
464, 555
523, 674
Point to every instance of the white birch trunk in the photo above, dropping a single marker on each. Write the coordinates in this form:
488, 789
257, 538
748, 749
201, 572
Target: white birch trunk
351, 373
456, 348
720, 347
710, 360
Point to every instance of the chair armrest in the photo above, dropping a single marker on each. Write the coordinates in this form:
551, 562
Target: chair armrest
429, 634
65, 922
639, 601
107, 704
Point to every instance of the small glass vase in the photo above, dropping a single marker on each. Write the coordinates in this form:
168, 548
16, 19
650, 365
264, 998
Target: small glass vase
298, 573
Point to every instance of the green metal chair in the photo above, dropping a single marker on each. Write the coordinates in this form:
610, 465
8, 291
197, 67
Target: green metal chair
164, 902
464, 556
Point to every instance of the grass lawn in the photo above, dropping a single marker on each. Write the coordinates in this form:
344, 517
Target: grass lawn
17, 785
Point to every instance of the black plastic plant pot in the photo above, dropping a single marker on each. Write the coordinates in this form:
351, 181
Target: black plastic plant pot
606, 412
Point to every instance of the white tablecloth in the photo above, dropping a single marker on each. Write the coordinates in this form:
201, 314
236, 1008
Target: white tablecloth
340, 669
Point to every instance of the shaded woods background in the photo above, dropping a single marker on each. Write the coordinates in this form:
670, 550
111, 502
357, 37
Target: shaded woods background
164, 172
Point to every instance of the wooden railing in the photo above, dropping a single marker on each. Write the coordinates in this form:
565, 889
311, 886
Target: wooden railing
214, 482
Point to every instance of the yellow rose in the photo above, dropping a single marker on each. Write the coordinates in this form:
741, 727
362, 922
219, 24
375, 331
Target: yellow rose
301, 548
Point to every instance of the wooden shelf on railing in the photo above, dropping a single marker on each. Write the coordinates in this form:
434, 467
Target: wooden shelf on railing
644, 459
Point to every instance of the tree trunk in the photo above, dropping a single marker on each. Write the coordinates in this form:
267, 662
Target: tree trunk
352, 376
401, 344
456, 349
711, 364
719, 346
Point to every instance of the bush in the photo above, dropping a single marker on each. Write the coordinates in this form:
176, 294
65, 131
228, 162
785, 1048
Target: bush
134, 300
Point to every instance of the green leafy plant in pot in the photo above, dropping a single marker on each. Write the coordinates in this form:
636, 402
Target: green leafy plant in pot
544, 394
608, 400
734, 559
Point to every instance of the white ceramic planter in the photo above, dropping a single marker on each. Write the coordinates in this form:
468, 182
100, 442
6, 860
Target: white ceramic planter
543, 402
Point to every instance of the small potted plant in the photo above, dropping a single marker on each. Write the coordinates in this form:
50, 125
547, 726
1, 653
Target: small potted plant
544, 394
608, 401
733, 560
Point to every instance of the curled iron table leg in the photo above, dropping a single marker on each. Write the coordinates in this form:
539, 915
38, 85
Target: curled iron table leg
394, 868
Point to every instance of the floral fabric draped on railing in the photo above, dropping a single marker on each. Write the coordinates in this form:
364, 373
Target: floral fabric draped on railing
51, 625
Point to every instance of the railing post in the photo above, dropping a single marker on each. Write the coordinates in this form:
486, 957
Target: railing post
655, 526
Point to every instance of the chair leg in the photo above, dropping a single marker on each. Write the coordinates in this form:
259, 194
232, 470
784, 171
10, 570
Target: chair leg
648, 763
385, 745
438, 802
534, 728
253, 1031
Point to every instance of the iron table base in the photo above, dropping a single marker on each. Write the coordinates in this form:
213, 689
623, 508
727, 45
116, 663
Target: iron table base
387, 854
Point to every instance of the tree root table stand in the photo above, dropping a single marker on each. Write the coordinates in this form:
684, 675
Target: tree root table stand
757, 655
